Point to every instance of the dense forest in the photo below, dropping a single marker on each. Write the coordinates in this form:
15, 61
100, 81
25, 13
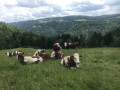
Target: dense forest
73, 25
11, 37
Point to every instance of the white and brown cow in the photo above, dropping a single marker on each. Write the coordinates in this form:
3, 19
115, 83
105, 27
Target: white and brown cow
41, 54
24, 60
57, 51
13, 53
39, 51
71, 45
71, 61
57, 47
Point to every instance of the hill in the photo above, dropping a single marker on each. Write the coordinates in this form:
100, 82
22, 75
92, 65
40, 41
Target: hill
99, 70
74, 25
12, 37
7, 35
7, 29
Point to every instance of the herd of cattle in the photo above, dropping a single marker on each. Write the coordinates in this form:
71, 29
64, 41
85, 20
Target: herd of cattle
40, 55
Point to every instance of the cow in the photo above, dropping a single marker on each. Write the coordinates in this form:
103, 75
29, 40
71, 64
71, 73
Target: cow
73, 45
57, 47
57, 51
45, 55
57, 55
71, 61
9, 54
24, 60
39, 51
13, 53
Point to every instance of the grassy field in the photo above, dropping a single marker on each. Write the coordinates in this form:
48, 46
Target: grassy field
99, 70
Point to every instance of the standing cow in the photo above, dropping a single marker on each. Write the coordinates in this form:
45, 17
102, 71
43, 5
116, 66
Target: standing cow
73, 45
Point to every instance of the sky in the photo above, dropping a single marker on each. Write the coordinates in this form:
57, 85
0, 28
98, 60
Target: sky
22, 10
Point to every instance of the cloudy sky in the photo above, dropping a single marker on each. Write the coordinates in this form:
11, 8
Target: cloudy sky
21, 10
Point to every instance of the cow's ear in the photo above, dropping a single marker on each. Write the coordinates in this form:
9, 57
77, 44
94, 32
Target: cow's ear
80, 56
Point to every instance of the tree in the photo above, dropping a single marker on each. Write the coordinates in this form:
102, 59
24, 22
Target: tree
95, 40
108, 39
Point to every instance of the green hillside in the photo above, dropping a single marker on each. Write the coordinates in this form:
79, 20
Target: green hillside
7, 29
11, 37
74, 25
8, 35
99, 70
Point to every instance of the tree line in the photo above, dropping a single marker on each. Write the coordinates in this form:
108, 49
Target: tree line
28, 39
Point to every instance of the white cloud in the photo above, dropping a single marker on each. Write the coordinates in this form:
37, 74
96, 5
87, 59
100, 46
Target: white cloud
20, 10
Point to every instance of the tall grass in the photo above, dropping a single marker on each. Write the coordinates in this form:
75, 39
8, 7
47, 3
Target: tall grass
99, 70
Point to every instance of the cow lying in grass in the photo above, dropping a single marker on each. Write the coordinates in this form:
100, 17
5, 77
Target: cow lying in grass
71, 61
13, 53
41, 54
28, 59
48, 55
45, 55
56, 55
39, 51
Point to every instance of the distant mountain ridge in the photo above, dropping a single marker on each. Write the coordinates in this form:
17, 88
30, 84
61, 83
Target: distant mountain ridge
74, 25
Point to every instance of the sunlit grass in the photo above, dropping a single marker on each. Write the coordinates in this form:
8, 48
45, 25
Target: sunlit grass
99, 70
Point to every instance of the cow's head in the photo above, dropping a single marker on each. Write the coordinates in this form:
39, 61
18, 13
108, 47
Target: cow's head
20, 55
58, 45
76, 59
21, 58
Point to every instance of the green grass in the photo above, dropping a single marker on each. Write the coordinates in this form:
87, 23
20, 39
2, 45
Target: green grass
99, 70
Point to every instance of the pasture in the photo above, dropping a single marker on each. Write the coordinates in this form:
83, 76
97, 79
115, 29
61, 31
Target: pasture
99, 70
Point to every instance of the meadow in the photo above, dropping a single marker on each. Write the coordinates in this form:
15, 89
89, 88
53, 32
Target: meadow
99, 70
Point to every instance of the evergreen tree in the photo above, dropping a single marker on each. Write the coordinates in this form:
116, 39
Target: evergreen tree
108, 39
